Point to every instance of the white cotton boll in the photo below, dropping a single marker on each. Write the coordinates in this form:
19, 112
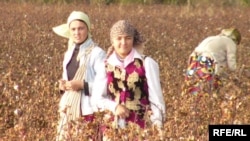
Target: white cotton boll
17, 97
18, 112
190, 72
122, 123
16, 87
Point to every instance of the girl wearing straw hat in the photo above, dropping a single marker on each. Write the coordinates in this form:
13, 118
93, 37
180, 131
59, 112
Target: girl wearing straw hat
81, 61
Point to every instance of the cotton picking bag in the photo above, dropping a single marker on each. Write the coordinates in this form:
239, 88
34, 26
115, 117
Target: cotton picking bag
69, 106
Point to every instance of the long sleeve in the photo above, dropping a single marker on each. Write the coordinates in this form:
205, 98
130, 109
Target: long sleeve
231, 56
96, 57
156, 98
99, 99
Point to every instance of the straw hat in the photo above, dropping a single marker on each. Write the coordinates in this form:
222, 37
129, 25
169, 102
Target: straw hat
63, 29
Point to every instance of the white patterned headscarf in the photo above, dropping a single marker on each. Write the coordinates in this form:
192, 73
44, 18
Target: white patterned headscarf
124, 27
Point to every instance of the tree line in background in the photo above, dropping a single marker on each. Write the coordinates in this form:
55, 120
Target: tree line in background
107, 2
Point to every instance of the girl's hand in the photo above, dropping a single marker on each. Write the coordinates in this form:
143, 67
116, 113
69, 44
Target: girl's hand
121, 111
74, 85
62, 84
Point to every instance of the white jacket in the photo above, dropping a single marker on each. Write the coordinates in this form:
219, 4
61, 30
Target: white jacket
99, 92
222, 49
97, 56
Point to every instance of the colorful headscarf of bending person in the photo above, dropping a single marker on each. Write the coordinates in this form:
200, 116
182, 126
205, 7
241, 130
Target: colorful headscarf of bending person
209, 61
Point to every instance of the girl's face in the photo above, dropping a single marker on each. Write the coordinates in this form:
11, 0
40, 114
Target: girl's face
122, 44
78, 31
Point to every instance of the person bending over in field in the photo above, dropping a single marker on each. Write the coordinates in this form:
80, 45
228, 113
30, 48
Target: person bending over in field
129, 84
210, 60
81, 61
